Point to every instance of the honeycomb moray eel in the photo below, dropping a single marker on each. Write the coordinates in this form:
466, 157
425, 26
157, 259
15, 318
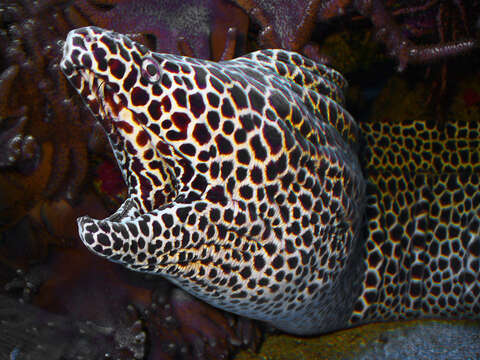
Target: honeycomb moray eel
245, 189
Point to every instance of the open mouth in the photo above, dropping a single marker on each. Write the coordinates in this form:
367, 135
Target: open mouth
123, 128
151, 168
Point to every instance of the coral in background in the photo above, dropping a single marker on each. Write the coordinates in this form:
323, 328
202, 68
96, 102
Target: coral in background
399, 46
30, 333
45, 130
290, 25
284, 24
81, 286
45, 133
198, 28
400, 340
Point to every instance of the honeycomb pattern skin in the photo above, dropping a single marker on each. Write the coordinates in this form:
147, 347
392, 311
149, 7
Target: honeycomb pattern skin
245, 189
423, 243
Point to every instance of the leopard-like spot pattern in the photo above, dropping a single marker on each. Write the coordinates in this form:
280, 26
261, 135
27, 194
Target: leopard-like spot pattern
245, 189
423, 218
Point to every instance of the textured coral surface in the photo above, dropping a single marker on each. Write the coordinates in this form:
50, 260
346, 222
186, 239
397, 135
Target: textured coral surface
395, 341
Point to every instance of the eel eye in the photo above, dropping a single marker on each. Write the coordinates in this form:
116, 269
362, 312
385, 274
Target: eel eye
150, 70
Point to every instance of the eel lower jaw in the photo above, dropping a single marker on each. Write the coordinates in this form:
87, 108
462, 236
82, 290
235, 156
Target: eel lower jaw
88, 227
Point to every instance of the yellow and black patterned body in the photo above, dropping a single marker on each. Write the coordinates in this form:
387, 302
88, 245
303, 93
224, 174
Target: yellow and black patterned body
245, 188
423, 238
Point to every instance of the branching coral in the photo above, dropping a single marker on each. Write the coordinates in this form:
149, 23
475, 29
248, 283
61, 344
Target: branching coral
397, 43
290, 25
285, 24
42, 130
171, 26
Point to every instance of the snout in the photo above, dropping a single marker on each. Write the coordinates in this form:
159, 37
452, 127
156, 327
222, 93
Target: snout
76, 49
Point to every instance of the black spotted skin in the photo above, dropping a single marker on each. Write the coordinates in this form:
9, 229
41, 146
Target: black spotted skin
244, 184
423, 244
